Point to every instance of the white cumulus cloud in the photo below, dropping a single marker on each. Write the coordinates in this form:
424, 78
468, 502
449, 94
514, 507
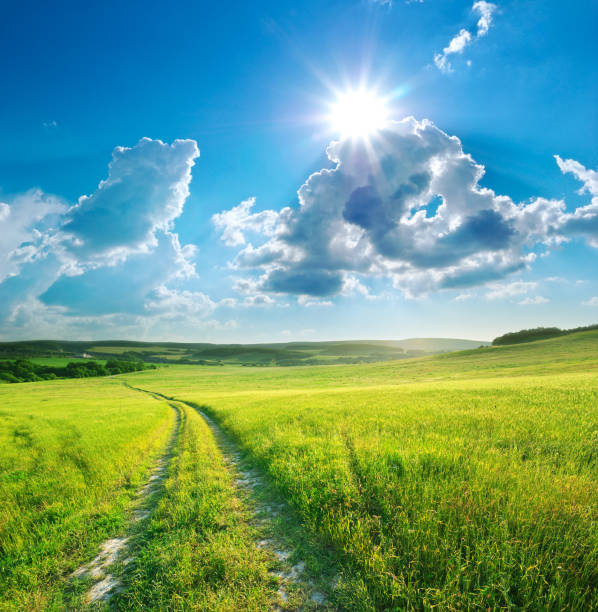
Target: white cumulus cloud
584, 221
239, 220
145, 191
259, 300
22, 225
308, 302
485, 10
407, 206
176, 303
456, 46
107, 254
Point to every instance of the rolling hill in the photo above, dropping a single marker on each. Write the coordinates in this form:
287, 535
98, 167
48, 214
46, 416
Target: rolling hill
282, 354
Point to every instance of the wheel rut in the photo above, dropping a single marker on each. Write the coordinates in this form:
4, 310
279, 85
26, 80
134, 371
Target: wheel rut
297, 590
100, 568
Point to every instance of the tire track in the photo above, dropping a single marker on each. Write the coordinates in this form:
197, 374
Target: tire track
249, 481
296, 590
114, 549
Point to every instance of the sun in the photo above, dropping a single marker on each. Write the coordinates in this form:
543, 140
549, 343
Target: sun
358, 114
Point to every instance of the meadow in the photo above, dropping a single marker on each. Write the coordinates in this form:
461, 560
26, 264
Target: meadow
61, 362
459, 481
466, 480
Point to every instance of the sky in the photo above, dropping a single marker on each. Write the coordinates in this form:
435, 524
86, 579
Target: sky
277, 171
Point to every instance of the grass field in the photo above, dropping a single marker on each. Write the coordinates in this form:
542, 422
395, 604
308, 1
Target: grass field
455, 482
459, 481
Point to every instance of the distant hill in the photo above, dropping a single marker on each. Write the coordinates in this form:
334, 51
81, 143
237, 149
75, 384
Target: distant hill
537, 333
438, 345
283, 354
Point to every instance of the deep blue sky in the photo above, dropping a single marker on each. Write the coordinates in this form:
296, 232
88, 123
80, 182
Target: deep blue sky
250, 83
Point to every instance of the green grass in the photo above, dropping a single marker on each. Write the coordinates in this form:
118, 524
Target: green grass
72, 454
118, 350
60, 362
462, 481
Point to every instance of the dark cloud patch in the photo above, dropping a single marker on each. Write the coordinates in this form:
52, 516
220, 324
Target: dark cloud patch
486, 231
366, 209
464, 279
318, 283
583, 225
416, 184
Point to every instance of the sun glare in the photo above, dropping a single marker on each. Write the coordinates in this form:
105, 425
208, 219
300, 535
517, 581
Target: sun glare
358, 114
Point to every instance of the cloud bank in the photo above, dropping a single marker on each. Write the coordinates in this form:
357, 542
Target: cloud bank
404, 209
111, 254
406, 206
584, 221
145, 192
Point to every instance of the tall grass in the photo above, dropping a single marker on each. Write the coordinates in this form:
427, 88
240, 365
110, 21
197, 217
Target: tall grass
72, 454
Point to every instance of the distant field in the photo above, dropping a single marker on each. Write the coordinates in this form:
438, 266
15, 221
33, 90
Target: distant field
280, 354
459, 481
61, 361
118, 350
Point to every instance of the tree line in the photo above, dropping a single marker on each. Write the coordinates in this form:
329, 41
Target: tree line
23, 370
537, 333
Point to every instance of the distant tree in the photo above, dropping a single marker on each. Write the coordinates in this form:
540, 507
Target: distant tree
527, 335
23, 370
538, 333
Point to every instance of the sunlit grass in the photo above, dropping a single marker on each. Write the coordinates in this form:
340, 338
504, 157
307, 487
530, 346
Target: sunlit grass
72, 454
